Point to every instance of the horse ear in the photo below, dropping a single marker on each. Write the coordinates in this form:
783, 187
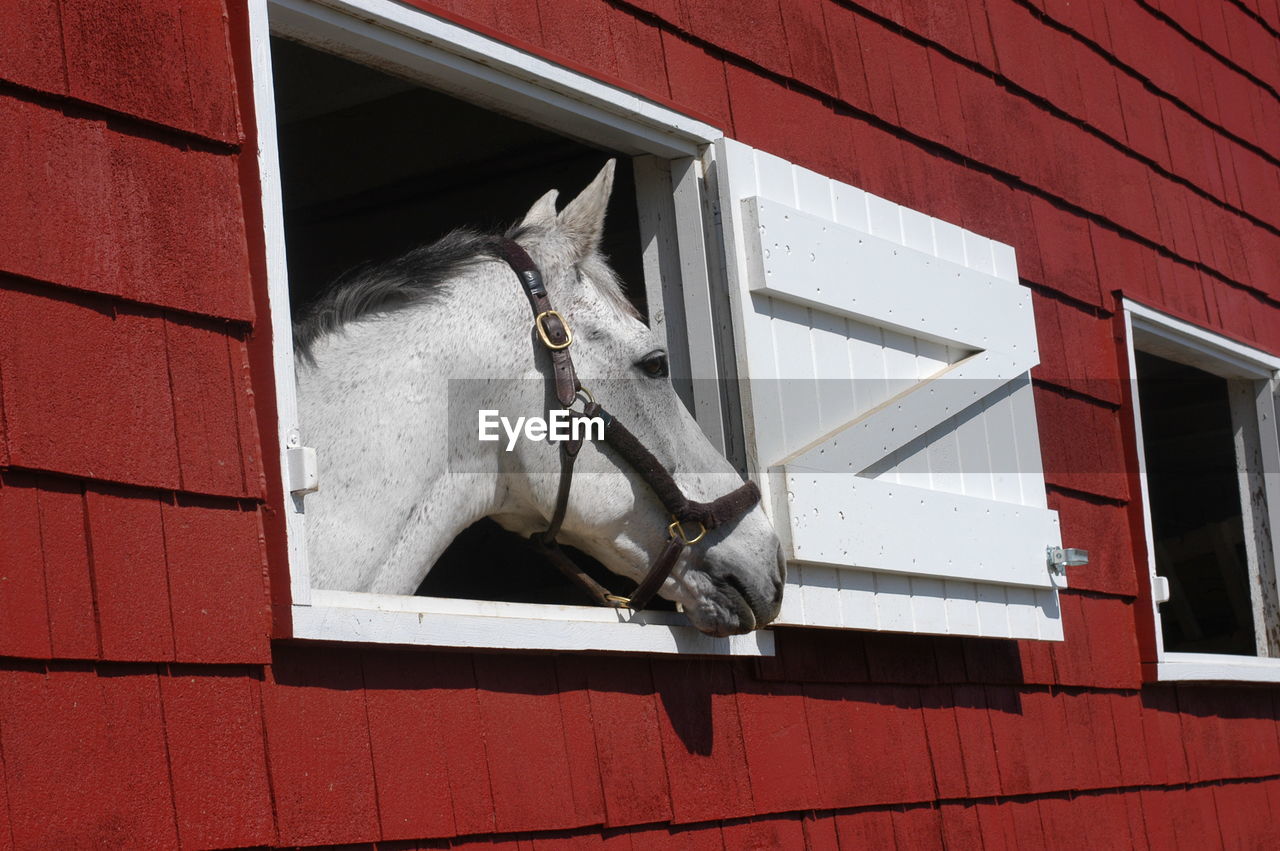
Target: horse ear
583, 217
543, 210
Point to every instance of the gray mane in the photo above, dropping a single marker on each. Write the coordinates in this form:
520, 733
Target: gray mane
396, 283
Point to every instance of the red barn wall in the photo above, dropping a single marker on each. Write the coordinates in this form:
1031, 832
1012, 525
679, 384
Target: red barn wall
1121, 147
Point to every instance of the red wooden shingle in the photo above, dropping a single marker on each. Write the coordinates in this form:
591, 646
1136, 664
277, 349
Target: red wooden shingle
525, 743
917, 827
318, 747
960, 828
455, 699
807, 44
858, 768
1110, 770
823, 656
805, 139
697, 80
702, 737
135, 217
1028, 824
6, 830
937, 704
1244, 815
407, 701
1066, 252
578, 30
636, 43
900, 658
31, 45
977, 742
217, 581
851, 79
865, 829
1059, 821
213, 726
820, 832
1036, 660
877, 44
1162, 731
1194, 818
779, 752
754, 31
763, 834
204, 405
250, 445
86, 392
1204, 733
73, 625
24, 611
1017, 38
701, 837
632, 768
995, 821
85, 758
1130, 738
165, 63
130, 575
579, 737
1101, 527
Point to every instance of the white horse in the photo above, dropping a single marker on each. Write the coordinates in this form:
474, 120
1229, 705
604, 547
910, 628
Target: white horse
377, 353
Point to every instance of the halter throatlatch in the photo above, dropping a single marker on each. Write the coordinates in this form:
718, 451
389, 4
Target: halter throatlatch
690, 520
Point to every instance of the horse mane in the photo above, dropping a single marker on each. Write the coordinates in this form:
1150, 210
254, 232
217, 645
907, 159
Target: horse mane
412, 278
404, 280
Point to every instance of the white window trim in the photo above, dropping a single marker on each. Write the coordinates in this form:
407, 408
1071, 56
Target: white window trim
1165, 336
488, 72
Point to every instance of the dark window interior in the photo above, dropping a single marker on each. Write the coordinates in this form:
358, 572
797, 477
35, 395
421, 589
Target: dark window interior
373, 165
1195, 508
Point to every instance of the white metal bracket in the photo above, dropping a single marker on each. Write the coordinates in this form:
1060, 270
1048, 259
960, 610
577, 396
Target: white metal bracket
304, 473
1061, 558
1160, 589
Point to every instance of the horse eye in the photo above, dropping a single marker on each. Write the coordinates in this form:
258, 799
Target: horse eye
655, 365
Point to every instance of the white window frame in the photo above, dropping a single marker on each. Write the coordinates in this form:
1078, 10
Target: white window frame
492, 74
1156, 333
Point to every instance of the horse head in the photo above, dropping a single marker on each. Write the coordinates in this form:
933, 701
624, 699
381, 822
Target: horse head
731, 580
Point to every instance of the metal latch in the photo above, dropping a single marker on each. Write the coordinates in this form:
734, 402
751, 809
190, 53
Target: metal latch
304, 473
1061, 558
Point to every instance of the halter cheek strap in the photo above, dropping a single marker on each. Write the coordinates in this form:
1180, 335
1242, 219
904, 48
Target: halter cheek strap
556, 336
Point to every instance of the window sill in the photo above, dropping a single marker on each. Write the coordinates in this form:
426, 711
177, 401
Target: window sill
1213, 667
442, 622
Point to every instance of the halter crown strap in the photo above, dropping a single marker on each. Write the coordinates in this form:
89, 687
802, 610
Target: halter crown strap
549, 324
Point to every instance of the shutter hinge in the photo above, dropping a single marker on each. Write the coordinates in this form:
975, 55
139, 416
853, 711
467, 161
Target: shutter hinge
1061, 558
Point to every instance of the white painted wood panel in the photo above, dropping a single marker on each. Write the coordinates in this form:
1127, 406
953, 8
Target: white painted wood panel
904, 476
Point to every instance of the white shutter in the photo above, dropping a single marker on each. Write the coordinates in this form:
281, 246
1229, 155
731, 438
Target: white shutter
888, 397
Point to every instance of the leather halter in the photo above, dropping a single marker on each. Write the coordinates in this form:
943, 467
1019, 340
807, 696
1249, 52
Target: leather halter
556, 337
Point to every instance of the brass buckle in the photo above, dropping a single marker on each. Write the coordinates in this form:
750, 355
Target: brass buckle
619, 602
676, 529
539, 323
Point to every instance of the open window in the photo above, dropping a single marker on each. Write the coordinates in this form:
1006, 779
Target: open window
381, 128
1204, 418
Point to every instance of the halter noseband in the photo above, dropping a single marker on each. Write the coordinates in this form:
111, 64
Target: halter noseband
556, 337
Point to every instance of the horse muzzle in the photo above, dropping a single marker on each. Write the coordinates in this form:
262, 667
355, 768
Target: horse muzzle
737, 599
